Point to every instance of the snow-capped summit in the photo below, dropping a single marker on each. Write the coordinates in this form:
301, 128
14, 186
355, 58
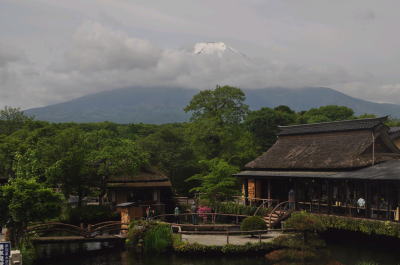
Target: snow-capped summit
218, 48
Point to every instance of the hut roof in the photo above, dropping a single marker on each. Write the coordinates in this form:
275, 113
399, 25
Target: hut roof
394, 132
388, 170
144, 178
323, 127
319, 148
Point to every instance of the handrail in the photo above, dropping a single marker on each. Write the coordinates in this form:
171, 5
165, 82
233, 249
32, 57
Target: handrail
264, 201
276, 207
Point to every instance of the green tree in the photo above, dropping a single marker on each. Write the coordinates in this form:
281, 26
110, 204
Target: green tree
327, 113
305, 244
172, 153
109, 157
216, 181
263, 124
216, 122
25, 200
12, 119
224, 104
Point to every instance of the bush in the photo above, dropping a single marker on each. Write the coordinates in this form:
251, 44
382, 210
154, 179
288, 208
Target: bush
150, 236
253, 223
369, 227
235, 208
158, 238
198, 249
90, 214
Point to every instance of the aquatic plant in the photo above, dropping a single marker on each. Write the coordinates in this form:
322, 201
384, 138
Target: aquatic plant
158, 238
150, 236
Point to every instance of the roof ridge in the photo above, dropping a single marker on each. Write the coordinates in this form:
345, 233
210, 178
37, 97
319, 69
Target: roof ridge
329, 122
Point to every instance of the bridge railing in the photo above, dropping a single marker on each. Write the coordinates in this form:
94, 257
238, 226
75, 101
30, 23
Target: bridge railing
88, 231
210, 218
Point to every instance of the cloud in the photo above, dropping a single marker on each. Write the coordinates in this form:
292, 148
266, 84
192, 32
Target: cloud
102, 58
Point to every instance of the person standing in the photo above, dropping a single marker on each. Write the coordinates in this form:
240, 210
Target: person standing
291, 199
176, 213
193, 209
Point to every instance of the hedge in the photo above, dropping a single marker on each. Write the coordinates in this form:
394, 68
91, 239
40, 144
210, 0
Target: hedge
370, 227
248, 248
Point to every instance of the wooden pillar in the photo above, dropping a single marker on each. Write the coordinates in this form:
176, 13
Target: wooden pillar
269, 194
295, 184
251, 187
329, 190
246, 191
388, 200
367, 199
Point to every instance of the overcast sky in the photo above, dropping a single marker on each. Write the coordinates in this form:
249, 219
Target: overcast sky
52, 51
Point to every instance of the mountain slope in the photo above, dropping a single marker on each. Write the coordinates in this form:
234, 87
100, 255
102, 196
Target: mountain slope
165, 105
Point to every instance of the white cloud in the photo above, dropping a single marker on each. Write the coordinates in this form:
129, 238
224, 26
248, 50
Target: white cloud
102, 58
351, 46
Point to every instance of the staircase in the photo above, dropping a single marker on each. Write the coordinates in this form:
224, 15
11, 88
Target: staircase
278, 214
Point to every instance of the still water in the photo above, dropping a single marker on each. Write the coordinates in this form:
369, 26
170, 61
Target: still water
347, 252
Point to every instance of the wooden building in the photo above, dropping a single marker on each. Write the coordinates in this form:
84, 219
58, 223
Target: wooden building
146, 188
346, 168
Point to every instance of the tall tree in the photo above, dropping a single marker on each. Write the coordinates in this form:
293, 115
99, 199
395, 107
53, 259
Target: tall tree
25, 200
216, 121
216, 181
263, 124
225, 104
12, 119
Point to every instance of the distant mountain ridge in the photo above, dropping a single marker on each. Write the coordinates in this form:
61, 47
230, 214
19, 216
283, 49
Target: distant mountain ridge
165, 105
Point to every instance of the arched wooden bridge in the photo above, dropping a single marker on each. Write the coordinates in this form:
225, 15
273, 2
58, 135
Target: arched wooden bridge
96, 232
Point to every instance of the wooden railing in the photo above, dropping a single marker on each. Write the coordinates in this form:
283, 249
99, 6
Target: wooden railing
200, 216
90, 231
281, 208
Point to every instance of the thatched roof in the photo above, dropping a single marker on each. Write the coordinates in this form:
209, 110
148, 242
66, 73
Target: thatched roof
336, 126
349, 147
394, 132
144, 178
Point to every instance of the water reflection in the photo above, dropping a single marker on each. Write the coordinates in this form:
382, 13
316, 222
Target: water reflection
106, 254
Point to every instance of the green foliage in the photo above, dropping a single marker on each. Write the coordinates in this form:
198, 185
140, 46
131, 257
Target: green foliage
216, 129
171, 152
304, 245
235, 208
253, 223
229, 249
89, 214
224, 104
12, 119
158, 238
216, 182
328, 113
304, 222
369, 227
25, 200
151, 236
263, 124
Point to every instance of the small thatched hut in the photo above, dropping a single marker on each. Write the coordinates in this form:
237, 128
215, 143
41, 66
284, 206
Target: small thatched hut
146, 188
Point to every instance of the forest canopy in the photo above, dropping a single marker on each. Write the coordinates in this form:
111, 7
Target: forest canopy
223, 134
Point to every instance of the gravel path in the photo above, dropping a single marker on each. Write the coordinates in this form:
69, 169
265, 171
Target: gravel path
220, 240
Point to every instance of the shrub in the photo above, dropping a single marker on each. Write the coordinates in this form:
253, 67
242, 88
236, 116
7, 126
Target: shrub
150, 236
198, 249
90, 214
253, 223
235, 208
158, 238
369, 227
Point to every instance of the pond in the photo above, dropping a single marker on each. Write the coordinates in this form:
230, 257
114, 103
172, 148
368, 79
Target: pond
347, 250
